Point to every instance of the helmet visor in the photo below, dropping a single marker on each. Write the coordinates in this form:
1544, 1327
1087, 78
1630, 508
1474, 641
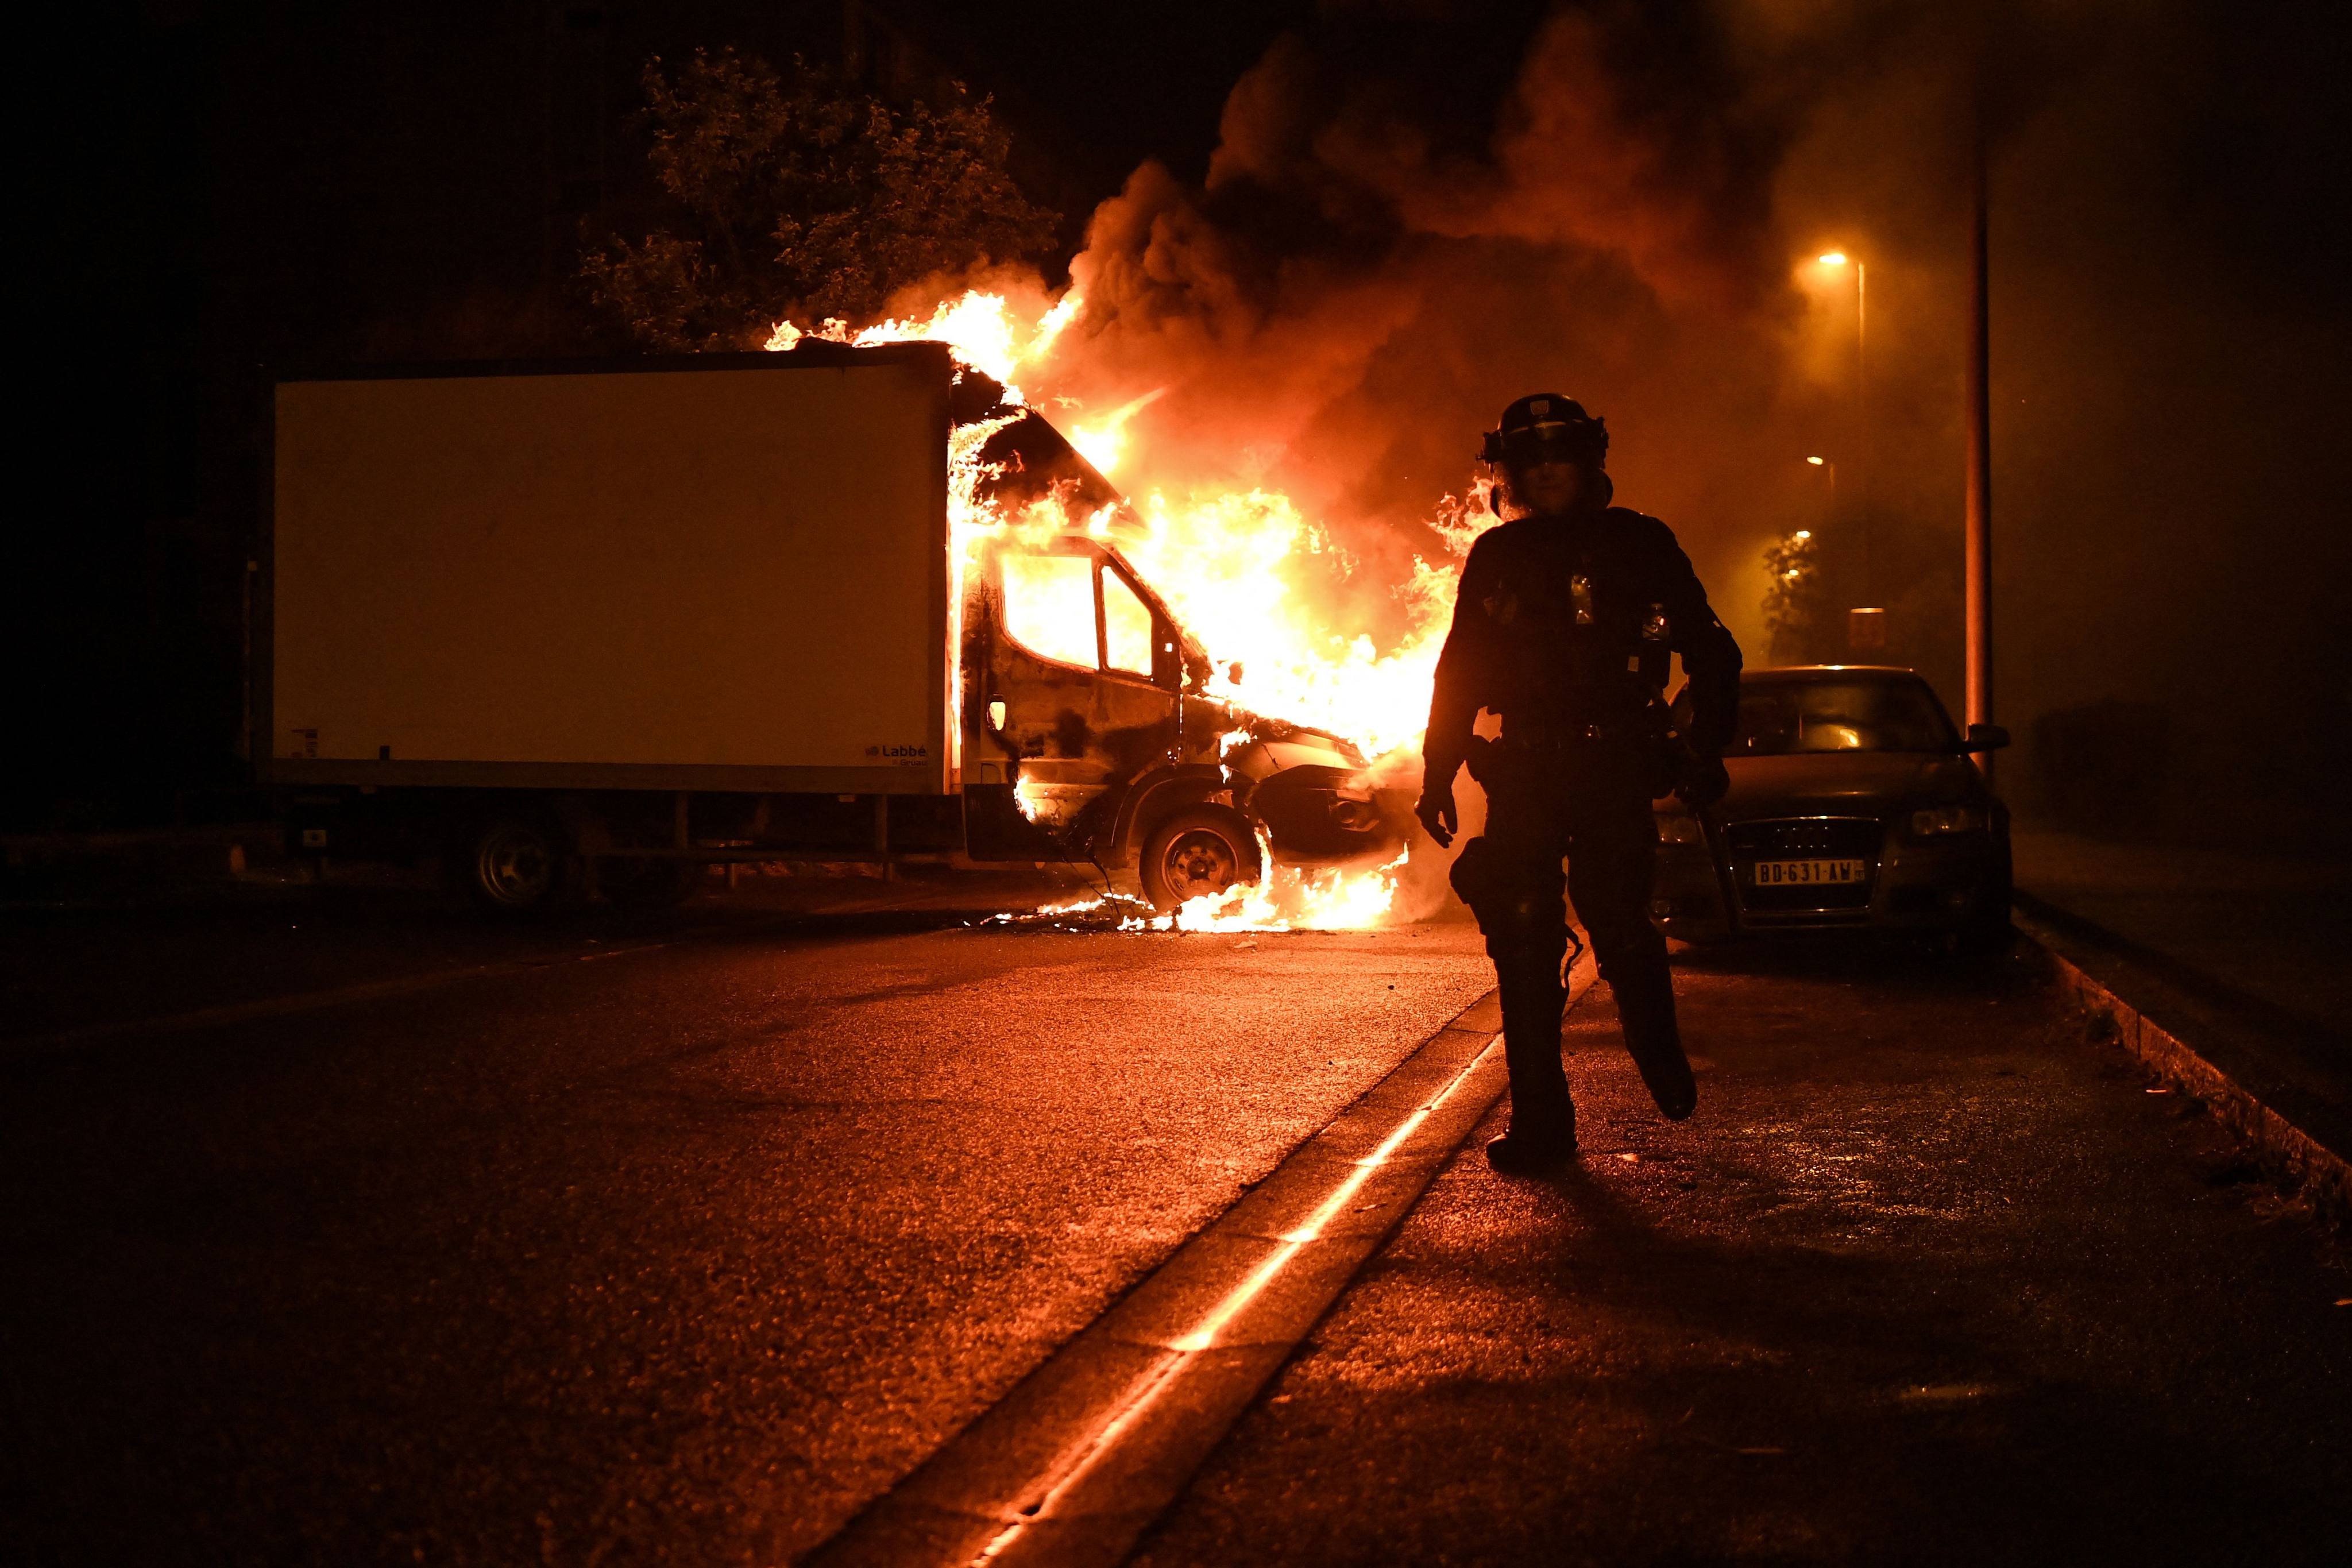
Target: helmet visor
1552, 441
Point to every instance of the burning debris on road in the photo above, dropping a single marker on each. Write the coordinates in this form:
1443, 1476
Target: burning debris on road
1285, 899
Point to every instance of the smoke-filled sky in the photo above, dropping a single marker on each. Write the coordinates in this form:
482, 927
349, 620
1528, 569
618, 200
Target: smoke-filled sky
1370, 268
1622, 203
1344, 234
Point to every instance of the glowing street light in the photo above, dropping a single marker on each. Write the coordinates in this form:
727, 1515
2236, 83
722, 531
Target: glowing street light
1833, 258
1828, 466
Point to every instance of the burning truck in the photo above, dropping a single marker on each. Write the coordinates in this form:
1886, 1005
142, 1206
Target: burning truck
589, 626
1087, 708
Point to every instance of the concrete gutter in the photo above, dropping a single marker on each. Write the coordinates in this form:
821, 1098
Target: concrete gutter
2247, 1070
1073, 1465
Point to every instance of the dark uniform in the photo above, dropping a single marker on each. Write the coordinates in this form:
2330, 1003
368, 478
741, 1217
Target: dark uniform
1563, 625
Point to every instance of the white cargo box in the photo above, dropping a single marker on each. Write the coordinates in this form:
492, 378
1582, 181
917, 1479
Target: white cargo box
725, 571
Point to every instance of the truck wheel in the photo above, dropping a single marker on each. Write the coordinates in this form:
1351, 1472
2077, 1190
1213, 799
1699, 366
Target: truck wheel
1202, 849
514, 863
640, 882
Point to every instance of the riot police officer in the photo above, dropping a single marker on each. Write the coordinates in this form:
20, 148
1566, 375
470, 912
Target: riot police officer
1563, 625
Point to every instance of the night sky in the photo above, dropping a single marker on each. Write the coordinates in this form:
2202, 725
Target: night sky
224, 187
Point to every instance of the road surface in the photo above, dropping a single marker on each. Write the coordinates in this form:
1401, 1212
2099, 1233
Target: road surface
688, 1254
1929, 1279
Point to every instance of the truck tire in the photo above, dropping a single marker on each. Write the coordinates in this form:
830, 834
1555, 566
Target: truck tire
514, 862
1201, 850
638, 882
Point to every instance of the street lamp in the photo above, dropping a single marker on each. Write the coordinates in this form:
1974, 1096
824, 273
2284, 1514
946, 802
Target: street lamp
1829, 466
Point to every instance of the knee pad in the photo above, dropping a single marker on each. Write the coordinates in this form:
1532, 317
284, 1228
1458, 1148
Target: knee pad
1631, 961
1621, 935
1615, 934
1523, 957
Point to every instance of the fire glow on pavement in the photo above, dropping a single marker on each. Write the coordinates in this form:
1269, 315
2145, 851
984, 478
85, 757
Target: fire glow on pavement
1083, 1455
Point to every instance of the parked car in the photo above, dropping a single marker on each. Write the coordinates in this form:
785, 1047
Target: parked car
1853, 803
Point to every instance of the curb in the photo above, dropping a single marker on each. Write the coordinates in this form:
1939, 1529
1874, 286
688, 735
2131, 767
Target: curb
1070, 1466
2285, 1151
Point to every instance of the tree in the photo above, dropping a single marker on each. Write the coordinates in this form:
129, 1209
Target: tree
802, 197
1797, 606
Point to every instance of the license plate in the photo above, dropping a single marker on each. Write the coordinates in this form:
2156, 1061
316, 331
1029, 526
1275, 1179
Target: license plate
1810, 873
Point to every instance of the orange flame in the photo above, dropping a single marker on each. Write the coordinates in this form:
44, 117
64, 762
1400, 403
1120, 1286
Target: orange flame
1244, 571
1102, 445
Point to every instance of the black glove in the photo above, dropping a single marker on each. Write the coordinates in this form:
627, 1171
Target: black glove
1705, 781
1437, 811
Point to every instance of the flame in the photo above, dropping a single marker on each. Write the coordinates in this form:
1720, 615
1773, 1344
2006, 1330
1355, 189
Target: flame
980, 328
1102, 445
1246, 571
970, 519
1238, 570
1290, 899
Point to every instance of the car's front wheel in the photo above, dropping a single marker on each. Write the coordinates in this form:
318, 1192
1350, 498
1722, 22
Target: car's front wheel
1987, 929
1200, 852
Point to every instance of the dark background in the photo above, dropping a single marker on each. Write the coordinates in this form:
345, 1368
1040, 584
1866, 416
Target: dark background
222, 187
216, 188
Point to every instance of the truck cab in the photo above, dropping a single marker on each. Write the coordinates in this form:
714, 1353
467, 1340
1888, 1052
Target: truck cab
1086, 721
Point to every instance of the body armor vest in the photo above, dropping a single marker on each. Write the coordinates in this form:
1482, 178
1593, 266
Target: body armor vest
1579, 611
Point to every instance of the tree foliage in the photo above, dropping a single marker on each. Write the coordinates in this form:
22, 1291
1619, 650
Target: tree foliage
802, 195
1797, 606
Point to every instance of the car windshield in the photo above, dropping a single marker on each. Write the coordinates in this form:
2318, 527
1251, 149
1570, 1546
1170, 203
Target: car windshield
1780, 717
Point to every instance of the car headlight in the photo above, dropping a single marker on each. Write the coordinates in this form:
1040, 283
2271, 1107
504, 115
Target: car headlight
1937, 820
1680, 829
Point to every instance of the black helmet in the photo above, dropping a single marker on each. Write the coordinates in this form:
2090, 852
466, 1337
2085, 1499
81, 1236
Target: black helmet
1546, 426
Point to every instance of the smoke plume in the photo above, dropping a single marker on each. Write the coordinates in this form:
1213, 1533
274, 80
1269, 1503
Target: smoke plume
1416, 214
1370, 270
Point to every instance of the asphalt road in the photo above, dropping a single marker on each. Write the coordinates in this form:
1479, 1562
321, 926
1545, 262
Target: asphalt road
105, 960
677, 1256
687, 1254
1930, 1279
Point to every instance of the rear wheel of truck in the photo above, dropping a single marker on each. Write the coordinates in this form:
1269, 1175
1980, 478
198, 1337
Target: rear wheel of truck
641, 882
1199, 851
514, 863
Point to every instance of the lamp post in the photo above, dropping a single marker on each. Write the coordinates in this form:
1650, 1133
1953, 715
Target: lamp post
1861, 397
1977, 564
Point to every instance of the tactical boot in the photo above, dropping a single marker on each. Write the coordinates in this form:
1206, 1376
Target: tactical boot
1531, 1018
1531, 1149
1543, 1116
1645, 1010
